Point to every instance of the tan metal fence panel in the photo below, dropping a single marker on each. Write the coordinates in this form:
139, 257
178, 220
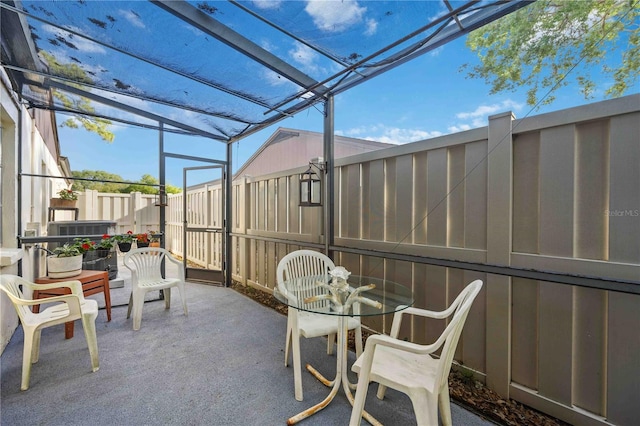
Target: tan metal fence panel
624, 193
558, 193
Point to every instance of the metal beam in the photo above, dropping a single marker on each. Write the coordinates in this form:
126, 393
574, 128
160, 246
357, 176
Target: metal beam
448, 33
329, 187
236, 41
133, 55
47, 76
132, 110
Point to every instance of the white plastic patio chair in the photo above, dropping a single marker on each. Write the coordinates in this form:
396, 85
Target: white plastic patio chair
68, 307
298, 264
146, 275
409, 367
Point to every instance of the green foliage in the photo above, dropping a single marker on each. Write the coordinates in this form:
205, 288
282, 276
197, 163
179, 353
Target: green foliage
97, 125
118, 188
170, 189
68, 194
97, 175
539, 45
79, 246
144, 189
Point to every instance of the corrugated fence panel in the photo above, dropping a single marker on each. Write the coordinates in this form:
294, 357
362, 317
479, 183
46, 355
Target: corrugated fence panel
475, 203
524, 333
420, 198
373, 195
456, 203
526, 196
623, 361
575, 208
624, 199
556, 191
437, 197
390, 201
474, 334
592, 190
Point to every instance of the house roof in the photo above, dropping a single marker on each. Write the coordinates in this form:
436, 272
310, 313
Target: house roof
290, 148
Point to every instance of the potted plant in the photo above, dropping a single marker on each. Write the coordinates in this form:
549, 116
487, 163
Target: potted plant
105, 245
66, 198
85, 245
66, 260
124, 241
154, 239
142, 240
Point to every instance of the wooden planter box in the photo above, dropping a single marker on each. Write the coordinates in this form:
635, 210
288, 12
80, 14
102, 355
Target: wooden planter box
59, 202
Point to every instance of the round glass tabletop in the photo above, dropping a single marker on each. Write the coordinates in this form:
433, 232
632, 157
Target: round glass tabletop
365, 296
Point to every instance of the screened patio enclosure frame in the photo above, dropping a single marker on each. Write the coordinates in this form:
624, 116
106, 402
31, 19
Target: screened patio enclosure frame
220, 70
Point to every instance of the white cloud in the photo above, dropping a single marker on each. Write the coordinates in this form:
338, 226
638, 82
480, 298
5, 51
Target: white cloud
459, 128
267, 4
304, 55
372, 27
437, 51
393, 135
478, 117
273, 78
484, 111
132, 17
83, 45
335, 16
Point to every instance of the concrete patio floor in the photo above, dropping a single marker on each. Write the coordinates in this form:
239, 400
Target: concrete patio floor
221, 365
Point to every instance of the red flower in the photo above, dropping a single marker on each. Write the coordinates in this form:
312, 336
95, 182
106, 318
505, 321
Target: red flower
106, 237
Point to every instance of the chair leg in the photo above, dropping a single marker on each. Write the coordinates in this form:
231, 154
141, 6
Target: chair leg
426, 409
89, 327
381, 391
138, 302
445, 406
331, 339
297, 368
35, 348
27, 353
359, 398
183, 298
167, 298
287, 344
130, 305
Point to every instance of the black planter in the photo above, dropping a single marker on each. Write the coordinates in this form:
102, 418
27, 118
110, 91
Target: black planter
103, 252
124, 247
142, 245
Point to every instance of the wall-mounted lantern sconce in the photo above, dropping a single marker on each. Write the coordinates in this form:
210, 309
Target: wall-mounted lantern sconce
160, 199
311, 183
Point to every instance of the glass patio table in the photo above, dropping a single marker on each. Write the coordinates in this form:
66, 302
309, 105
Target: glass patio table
362, 296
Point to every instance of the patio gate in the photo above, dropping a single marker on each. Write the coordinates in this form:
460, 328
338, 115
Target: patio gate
203, 226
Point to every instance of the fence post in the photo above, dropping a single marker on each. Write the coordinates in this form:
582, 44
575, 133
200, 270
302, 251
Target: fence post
499, 230
242, 218
135, 211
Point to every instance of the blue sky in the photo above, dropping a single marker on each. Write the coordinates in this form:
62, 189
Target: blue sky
424, 98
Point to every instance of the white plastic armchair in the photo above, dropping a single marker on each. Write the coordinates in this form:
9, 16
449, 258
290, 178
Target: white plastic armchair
61, 309
298, 264
411, 368
146, 275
